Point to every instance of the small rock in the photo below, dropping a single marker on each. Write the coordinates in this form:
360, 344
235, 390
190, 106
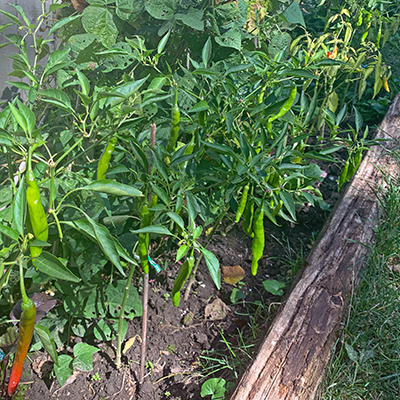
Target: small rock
216, 311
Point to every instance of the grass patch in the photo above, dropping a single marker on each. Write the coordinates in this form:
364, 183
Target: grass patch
366, 364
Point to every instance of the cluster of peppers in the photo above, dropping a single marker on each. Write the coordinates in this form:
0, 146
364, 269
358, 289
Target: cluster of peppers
40, 229
253, 225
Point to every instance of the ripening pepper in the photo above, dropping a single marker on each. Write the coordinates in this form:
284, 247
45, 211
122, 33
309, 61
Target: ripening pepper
26, 327
37, 215
104, 161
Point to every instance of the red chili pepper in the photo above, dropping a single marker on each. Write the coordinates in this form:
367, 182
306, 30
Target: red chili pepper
333, 54
26, 327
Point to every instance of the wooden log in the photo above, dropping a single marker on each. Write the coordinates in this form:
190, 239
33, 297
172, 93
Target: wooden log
293, 357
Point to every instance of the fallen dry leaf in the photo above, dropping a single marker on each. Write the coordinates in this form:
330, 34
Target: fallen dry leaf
233, 275
79, 5
129, 343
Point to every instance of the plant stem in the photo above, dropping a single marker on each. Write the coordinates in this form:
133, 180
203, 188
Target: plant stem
121, 315
21, 280
207, 242
146, 279
144, 327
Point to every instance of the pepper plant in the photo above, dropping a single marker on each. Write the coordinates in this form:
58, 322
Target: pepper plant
137, 144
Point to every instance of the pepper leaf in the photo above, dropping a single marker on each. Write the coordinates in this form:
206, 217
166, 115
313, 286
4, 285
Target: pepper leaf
47, 341
109, 186
19, 207
213, 266
52, 266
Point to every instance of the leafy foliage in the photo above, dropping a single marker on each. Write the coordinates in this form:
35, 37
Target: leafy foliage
201, 100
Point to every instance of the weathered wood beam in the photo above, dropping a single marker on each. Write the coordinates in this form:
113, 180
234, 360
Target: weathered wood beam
292, 360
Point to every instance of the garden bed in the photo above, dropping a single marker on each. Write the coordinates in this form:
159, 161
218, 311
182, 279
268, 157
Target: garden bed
179, 336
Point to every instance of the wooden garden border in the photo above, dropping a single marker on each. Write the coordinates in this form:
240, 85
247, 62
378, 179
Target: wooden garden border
293, 357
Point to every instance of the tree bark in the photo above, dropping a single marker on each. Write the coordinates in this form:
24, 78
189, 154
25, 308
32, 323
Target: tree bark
292, 360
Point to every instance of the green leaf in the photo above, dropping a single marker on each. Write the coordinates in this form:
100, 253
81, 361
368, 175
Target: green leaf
56, 94
294, 15
29, 117
12, 17
52, 266
351, 352
274, 287
83, 356
107, 244
177, 219
358, 119
110, 186
10, 232
288, 202
19, 85
206, 52
161, 9
84, 82
47, 341
19, 207
214, 387
213, 266
182, 251
125, 8
200, 106
62, 22
123, 92
64, 368
54, 7
99, 21
192, 18
21, 11
157, 229
115, 293
163, 42
21, 121
300, 73
5, 138
231, 38
5, 26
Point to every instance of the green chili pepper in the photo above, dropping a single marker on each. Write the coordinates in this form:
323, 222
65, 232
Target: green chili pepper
286, 105
181, 278
104, 161
378, 36
343, 176
175, 122
37, 215
257, 246
365, 34
260, 98
26, 326
143, 247
242, 204
248, 218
